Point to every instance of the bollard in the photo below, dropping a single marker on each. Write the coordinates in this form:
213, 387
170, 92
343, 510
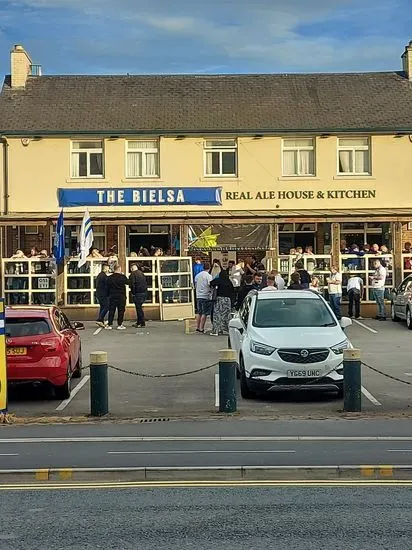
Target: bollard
227, 381
99, 387
352, 380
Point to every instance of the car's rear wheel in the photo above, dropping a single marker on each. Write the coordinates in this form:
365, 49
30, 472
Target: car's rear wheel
64, 391
77, 373
409, 319
394, 317
245, 391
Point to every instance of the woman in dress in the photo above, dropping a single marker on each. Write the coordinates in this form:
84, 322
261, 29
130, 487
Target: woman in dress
223, 305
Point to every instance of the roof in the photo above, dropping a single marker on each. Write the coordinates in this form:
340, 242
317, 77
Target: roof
182, 104
32, 311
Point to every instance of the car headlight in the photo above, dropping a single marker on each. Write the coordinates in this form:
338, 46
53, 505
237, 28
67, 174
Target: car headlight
261, 349
338, 349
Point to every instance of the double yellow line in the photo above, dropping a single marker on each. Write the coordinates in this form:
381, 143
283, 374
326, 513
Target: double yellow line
204, 484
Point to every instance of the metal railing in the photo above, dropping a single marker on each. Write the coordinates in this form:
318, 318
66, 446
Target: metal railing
363, 267
29, 281
317, 265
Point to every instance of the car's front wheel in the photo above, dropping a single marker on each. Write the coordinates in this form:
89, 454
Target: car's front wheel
245, 391
394, 317
409, 319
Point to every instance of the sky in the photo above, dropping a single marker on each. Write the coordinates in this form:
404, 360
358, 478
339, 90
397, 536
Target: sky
212, 36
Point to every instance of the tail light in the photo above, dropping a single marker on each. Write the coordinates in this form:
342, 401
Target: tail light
51, 345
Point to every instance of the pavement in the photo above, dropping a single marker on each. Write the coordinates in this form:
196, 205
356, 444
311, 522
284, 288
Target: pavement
159, 518
164, 348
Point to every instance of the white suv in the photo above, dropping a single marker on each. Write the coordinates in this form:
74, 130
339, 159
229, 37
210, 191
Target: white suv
288, 339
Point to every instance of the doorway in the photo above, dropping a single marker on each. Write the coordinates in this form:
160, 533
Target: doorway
147, 241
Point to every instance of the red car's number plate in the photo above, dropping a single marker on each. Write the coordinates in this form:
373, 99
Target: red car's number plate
16, 351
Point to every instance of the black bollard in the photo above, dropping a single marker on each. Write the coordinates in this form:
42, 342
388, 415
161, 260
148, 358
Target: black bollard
99, 384
227, 381
352, 380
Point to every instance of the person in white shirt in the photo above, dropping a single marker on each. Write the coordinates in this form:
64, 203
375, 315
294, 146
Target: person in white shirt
378, 285
279, 280
203, 297
335, 291
355, 293
271, 284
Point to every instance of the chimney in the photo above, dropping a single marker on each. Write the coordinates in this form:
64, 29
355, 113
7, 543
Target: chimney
20, 66
407, 61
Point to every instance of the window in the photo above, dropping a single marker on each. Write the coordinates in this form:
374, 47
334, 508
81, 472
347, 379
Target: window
220, 157
298, 157
354, 156
26, 326
142, 159
292, 312
87, 159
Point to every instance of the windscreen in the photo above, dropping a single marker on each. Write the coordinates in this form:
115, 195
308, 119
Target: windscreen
26, 326
292, 312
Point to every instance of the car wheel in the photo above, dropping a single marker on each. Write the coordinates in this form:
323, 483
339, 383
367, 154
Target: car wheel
64, 391
245, 391
394, 317
409, 319
77, 373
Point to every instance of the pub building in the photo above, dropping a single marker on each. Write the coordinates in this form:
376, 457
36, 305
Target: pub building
216, 166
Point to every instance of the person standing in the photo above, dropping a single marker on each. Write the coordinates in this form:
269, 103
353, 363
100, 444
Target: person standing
138, 287
303, 274
244, 290
203, 297
355, 293
279, 280
378, 286
258, 281
223, 304
116, 285
335, 291
271, 284
295, 283
102, 294
235, 272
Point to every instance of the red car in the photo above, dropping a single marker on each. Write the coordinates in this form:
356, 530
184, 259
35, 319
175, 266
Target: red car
42, 345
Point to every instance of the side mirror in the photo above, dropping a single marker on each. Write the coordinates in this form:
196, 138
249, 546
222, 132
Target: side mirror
77, 325
236, 323
345, 322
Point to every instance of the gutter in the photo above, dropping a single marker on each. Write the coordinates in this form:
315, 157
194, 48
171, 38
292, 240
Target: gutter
210, 132
5, 143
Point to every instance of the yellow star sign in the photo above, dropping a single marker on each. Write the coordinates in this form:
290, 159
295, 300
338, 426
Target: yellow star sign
206, 239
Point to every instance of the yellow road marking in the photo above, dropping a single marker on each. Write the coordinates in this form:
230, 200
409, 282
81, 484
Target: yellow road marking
205, 484
42, 475
66, 474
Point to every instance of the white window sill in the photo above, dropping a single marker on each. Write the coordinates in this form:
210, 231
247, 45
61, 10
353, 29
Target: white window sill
141, 180
298, 178
209, 179
88, 180
353, 177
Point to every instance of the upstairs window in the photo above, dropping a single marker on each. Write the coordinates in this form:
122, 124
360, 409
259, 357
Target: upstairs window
87, 159
142, 159
220, 157
354, 156
298, 157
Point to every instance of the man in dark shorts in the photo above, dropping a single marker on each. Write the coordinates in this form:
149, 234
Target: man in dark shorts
203, 297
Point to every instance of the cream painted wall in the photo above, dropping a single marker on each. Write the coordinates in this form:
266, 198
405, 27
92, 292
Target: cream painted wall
39, 169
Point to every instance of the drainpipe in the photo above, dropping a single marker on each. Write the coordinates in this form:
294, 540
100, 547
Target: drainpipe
5, 143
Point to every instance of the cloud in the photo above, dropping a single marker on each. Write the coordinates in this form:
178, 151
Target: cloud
101, 36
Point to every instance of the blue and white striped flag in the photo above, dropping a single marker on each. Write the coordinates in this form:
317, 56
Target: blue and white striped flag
86, 238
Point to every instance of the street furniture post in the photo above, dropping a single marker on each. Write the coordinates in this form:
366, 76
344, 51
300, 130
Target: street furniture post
352, 380
227, 381
99, 386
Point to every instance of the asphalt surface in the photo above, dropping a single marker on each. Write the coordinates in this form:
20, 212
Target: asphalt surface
303, 518
164, 348
204, 444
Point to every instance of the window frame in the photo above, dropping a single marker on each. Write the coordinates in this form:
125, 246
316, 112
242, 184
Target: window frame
157, 151
299, 149
88, 152
353, 149
220, 149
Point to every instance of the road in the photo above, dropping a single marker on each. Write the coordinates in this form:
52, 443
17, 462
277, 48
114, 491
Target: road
205, 444
232, 517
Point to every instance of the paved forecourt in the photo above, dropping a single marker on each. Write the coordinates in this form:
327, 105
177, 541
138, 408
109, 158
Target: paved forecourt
164, 348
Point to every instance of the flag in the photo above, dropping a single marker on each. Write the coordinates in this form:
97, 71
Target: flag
86, 238
59, 239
